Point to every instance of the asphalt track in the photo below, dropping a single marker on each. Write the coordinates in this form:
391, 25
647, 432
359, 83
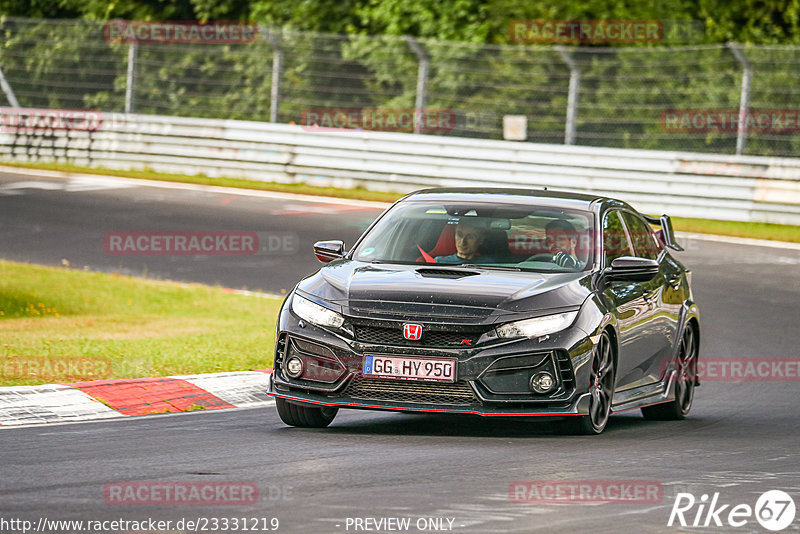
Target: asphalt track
741, 439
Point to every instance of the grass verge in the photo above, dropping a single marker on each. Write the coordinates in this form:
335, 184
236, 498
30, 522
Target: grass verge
776, 232
65, 326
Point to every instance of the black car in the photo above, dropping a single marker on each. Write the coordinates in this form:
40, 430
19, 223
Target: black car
498, 302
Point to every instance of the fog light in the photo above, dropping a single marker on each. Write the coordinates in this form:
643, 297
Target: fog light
294, 367
542, 382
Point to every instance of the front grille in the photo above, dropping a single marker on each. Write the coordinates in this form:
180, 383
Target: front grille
430, 338
455, 393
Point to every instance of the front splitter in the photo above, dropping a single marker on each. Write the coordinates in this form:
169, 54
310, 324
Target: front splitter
579, 407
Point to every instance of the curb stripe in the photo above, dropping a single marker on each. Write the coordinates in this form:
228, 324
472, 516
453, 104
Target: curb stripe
23, 406
51, 403
241, 389
144, 396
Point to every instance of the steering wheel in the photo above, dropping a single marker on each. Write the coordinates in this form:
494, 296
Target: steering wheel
560, 258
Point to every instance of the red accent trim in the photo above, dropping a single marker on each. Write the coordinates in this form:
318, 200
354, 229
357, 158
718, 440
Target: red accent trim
446, 245
428, 257
423, 409
142, 396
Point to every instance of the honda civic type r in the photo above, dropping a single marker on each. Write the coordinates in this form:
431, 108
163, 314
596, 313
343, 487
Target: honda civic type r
500, 302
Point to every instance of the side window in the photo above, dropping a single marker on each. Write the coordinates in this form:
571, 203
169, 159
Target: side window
615, 242
644, 243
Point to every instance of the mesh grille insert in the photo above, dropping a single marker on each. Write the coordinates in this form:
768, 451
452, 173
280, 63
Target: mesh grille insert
455, 393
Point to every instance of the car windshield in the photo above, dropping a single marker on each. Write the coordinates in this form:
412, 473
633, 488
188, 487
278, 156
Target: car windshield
490, 235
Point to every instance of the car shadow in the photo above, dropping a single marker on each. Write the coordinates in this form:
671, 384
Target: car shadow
466, 426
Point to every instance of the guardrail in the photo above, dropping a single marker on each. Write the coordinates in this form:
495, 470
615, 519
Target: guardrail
741, 188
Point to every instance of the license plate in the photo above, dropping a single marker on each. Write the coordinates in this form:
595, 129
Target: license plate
437, 369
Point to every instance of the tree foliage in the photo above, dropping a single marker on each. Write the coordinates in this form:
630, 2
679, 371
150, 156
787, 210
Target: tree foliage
474, 21
352, 54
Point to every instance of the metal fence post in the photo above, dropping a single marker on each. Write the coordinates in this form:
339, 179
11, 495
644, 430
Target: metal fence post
131, 79
422, 83
277, 64
744, 98
572, 95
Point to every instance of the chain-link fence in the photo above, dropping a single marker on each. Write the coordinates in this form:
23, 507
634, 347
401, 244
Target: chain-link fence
711, 98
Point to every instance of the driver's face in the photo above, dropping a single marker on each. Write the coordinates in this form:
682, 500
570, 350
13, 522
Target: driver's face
468, 239
556, 240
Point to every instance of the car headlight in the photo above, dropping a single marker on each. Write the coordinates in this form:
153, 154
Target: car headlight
315, 314
538, 326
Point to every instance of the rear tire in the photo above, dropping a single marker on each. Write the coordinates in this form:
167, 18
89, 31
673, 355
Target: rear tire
304, 416
678, 409
602, 390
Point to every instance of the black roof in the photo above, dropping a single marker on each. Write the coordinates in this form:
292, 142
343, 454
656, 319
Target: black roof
563, 199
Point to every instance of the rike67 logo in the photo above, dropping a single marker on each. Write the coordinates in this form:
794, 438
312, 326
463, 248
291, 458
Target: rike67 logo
774, 510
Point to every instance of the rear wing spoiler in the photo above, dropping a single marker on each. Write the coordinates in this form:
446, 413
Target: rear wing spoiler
666, 234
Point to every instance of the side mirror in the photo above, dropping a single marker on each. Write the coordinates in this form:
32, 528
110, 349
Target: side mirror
326, 251
633, 269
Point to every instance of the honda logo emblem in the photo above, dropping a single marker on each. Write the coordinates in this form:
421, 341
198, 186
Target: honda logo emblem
412, 331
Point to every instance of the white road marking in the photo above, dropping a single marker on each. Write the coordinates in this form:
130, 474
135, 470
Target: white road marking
93, 183
77, 184
136, 182
16, 188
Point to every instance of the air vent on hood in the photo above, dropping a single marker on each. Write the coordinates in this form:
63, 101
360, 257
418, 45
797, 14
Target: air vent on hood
429, 272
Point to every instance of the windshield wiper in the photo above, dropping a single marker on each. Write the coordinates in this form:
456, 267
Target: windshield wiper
489, 267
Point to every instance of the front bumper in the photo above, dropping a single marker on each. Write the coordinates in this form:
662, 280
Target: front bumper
579, 407
492, 378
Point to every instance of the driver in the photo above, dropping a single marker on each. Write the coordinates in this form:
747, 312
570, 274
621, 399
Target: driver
470, 235
561, 238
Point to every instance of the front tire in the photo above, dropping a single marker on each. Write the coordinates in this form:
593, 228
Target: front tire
602, 390
678, 408
305, 416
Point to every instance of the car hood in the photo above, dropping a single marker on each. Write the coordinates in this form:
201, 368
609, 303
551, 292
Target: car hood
453, 294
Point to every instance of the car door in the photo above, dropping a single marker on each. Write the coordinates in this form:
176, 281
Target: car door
660, 320
627, 300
